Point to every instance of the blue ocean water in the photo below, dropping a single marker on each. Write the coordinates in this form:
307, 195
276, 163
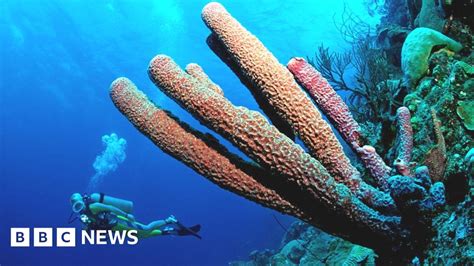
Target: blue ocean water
57, 61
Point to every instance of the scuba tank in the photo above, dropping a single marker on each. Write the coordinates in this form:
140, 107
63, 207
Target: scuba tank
124, 205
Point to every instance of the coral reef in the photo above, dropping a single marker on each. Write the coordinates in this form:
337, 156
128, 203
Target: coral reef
430, 15
460, 11
440, 101
374, 79
305, 245
377, 92
441, 137
465, 111
453, 244
390, 40
417, 49
320, 186
399, 17
338, 113
436, 157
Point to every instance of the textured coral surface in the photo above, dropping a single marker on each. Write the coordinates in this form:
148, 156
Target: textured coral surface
277, 85
338, 113
416, 51
327, 99
405, 137
190, 148
262, 142
321, 187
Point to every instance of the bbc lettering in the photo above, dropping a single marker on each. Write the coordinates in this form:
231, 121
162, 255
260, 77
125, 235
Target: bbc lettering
42, 237
66, 237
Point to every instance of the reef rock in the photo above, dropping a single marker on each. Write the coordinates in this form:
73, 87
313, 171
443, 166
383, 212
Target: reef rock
294, 250
440, 119
390, 38
306, 245
465, 111
430, 16
453, 245
417, 49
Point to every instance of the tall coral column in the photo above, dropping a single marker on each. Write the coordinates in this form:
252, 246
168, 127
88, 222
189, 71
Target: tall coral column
276, 84
273, 84
320, 187
313, 188
338, 113
203, 155
405, 139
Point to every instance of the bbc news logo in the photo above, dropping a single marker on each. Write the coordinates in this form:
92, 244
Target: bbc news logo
66, 237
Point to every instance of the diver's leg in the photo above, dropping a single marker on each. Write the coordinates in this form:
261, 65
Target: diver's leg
154, 225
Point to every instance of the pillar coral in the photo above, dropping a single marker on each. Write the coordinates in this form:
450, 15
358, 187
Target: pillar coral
338, 113
405, 141
202, 154
327, 99
320, 187
275, 83
218, 48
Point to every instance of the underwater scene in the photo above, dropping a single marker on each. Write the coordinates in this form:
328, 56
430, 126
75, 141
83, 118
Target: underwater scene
243, 133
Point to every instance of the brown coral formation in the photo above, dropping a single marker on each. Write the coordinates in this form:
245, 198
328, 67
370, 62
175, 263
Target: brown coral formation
276, 84
250, 131
193, 149
321, 187
436, 157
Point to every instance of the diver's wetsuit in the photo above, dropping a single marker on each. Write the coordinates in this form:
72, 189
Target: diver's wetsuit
107, 220
99, 221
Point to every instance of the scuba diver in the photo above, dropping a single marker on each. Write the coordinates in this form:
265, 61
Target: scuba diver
101, 212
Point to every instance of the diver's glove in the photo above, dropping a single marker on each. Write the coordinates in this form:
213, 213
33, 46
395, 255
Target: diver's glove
171, 220
85, 219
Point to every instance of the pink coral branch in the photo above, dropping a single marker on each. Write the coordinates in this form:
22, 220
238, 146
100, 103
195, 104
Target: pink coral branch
327, 99
405, 141
375, 164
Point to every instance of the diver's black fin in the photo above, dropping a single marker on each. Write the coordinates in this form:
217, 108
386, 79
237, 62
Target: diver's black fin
193, 230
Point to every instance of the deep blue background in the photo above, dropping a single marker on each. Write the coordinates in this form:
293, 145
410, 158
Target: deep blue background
57, 61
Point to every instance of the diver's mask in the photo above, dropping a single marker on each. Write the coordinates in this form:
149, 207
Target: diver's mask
77, 202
